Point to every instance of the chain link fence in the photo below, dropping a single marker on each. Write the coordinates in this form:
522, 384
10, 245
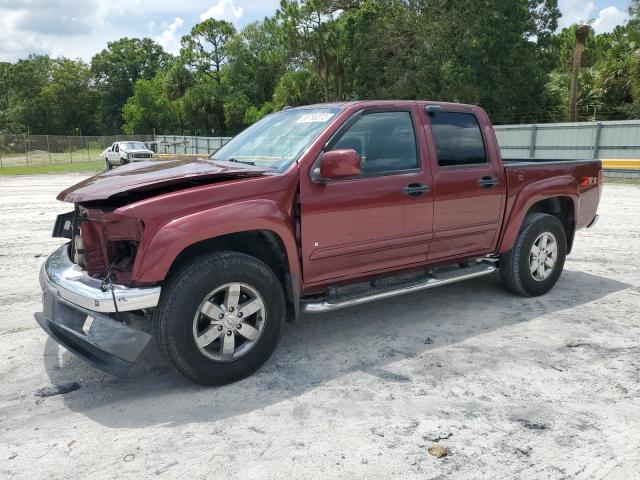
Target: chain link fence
25, 149
602, 140
189, 145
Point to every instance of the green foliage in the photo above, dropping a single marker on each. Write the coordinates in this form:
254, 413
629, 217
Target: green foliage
116, 69
149, 108
66, 100
205, 48
505, 55
297, 87
607, 79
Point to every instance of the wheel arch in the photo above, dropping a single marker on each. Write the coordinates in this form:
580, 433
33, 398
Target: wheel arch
563, 206
256, 227
563, 209
265, 245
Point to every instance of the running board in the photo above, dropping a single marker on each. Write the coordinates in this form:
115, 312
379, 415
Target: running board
330, 304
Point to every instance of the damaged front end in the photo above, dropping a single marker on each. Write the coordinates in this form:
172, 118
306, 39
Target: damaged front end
88, 299
105, 243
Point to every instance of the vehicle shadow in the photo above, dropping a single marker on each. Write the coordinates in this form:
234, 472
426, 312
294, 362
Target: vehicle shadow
318, 349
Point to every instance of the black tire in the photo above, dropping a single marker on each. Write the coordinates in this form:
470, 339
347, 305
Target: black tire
183, 293
107, 164
514, 265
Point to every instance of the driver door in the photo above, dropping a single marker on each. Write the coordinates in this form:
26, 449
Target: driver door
379, 220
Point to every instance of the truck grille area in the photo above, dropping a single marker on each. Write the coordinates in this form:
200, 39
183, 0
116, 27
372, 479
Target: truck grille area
106, 244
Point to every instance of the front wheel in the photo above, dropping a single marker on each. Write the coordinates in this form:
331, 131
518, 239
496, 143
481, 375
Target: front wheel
220, 317
534, 264
107, 164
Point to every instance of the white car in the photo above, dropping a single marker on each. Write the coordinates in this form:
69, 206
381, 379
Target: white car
121, 153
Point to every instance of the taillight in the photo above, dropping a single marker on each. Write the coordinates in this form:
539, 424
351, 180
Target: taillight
588, 181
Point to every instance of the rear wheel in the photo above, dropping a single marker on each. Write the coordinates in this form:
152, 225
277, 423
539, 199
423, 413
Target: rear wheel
534, 264
220, 317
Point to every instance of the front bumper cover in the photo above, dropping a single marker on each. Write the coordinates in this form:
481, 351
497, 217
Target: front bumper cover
74, 314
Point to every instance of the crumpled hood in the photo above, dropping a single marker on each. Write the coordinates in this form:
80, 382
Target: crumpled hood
149, 175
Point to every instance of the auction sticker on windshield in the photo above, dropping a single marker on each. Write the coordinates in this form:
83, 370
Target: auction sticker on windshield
315, 117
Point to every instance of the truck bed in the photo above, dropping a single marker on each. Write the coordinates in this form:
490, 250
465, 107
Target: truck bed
583, 178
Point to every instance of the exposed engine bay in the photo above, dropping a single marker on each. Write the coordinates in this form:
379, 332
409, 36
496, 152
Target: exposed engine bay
102, 242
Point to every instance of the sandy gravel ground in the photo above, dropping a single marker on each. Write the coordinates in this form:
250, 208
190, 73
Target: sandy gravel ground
514, 388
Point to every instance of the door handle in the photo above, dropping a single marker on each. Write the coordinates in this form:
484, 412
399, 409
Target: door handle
488, 182
415, 189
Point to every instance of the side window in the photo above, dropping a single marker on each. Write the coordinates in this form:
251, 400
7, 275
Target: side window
117, 149
385, 140
458, 139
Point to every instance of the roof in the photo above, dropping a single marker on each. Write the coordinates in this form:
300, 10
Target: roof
365, 103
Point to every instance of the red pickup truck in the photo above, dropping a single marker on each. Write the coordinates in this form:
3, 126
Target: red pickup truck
311, 209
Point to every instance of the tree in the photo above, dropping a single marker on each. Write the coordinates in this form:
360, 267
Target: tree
205, 48
149, 108
67, 100
297, 87
490, 53
634, 13
257, 59
202, 107
382, 44
115, 71
310, 33
582, 32
24, 81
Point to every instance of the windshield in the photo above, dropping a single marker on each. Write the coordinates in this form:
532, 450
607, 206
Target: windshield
133, 146
278, 140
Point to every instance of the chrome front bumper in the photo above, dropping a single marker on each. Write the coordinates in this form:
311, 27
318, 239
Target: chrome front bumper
75, 286
75, 308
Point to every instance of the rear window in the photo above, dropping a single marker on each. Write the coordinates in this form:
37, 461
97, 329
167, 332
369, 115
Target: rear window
458, 139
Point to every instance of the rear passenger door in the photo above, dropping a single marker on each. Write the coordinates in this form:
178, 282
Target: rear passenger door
379, 220
469, 188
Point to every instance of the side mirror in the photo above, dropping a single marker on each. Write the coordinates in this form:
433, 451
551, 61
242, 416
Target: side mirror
337, 164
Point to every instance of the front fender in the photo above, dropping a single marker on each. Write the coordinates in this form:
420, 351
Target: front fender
156, 255
529, 195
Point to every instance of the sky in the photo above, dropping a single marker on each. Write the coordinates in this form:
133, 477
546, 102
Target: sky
81, 28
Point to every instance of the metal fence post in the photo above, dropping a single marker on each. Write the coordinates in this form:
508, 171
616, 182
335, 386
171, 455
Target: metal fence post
26, 150
208, 146
596, 141
69, 142
532, 142
48, 149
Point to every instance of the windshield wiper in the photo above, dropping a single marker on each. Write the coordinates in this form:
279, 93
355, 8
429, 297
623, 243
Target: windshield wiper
235, 160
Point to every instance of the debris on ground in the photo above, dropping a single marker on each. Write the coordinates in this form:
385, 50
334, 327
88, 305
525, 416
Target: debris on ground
532, 425
160, 471
57, 389
438, 438
524, 451
438, 451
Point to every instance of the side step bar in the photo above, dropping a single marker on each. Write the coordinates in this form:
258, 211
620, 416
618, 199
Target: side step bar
329, 304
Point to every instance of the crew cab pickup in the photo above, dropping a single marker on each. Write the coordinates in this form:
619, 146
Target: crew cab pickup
121, 153
311, 209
